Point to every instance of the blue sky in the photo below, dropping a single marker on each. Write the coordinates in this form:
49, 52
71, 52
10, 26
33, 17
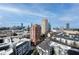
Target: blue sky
57, 14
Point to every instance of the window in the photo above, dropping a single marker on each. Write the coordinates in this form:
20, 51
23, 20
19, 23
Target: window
4, 47
1, 40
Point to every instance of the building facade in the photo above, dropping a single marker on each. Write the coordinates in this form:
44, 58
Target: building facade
35, 33
44, 26
67, 26
22, 47
49, 27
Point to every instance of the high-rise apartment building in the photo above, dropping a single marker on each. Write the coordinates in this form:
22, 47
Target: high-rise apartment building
35, 33
44, 26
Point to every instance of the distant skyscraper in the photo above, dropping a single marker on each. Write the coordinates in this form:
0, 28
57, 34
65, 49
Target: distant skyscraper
28, 28
31, 24
49, 27
44, 26
21, 25
35, 33
67, 26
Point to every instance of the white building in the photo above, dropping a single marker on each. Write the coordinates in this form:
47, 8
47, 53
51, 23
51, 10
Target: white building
22, 47
60, 49
5, 47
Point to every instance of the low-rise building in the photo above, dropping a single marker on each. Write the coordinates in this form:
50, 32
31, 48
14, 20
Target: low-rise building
22, 47
5, 47
44, 48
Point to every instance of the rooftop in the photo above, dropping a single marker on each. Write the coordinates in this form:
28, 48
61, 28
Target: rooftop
45, 44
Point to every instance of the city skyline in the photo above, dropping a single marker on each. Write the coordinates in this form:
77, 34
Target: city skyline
57, 14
